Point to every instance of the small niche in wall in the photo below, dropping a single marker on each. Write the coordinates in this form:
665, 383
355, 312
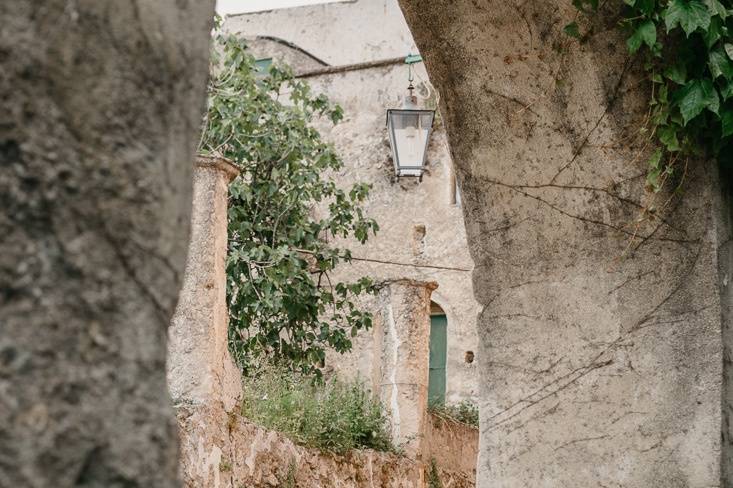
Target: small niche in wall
468, 357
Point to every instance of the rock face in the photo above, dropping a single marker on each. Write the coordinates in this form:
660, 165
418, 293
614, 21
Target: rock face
265, 459
100, 103
602, 337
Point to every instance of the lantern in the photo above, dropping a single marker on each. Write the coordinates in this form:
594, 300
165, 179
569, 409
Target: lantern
409, 132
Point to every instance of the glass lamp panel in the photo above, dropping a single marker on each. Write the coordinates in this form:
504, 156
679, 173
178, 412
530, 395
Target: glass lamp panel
410, 130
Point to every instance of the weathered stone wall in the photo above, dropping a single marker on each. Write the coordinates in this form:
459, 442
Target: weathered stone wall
724, 210
200, 368
401, 360
453, 445
265, 459
203, 380
219, 448
100, 107
422, 235
602, 337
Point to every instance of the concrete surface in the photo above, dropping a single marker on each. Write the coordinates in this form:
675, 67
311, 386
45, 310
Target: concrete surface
602, 335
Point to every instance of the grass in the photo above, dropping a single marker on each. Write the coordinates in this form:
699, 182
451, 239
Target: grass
335, 416
465, 412
433, 477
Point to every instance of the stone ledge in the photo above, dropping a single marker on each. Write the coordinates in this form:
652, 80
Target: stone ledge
430, 285
217, 163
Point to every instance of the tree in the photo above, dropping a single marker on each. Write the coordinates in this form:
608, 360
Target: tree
284, 209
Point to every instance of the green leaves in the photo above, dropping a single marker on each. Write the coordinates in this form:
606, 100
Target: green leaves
726, 120
646, 33
720, 64
668, 136
688, 14
655, 170
572, 30
690, 67
696, 96
282, 302
717, 8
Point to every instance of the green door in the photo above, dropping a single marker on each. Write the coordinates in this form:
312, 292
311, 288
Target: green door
438, 349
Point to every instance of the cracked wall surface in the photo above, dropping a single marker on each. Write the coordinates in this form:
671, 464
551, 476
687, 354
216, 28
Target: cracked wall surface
101, 104
600, 334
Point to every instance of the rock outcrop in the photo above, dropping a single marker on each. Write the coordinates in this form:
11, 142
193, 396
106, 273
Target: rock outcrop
101, 105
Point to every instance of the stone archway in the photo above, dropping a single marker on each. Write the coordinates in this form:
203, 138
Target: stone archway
603, 339
612, 369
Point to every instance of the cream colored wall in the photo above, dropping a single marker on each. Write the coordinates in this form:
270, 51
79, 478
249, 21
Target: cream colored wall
399, 205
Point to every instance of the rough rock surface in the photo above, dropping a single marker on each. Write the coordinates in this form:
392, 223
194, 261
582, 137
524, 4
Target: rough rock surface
100, 104
453, 445
204, 382
258, 458
601, 336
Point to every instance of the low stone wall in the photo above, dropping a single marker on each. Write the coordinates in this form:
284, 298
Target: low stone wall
452, 445
243, 454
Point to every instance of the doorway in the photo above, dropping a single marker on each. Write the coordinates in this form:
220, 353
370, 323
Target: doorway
438, 353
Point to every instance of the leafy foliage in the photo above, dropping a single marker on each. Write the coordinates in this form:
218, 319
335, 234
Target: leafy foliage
335, 416
688, 50
283, 209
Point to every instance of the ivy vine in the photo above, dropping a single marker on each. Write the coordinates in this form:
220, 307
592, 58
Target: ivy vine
687, 50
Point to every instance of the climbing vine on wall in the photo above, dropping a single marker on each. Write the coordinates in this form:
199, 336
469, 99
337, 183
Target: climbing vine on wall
687, 49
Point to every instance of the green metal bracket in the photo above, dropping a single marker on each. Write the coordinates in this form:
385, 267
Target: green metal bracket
413, 58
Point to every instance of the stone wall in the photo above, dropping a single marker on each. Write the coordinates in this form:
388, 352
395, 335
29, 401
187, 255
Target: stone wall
101, 106
453, 445
265, 459
603, 334
204, 383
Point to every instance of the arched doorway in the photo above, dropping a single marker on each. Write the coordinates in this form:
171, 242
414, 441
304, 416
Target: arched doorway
438, 353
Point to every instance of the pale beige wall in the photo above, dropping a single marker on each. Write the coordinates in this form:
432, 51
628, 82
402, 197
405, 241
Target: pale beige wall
370, 31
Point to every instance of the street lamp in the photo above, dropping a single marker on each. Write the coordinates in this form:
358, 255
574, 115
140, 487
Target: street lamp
409, 130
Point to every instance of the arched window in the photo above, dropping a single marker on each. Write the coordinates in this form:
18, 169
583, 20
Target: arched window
438, 353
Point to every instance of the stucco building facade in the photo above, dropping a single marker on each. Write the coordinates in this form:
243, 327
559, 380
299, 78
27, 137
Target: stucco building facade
354, 53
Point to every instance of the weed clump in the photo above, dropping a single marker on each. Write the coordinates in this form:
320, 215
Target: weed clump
334, 416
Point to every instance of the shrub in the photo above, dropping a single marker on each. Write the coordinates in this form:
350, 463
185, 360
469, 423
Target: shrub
334, 416
284, 305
